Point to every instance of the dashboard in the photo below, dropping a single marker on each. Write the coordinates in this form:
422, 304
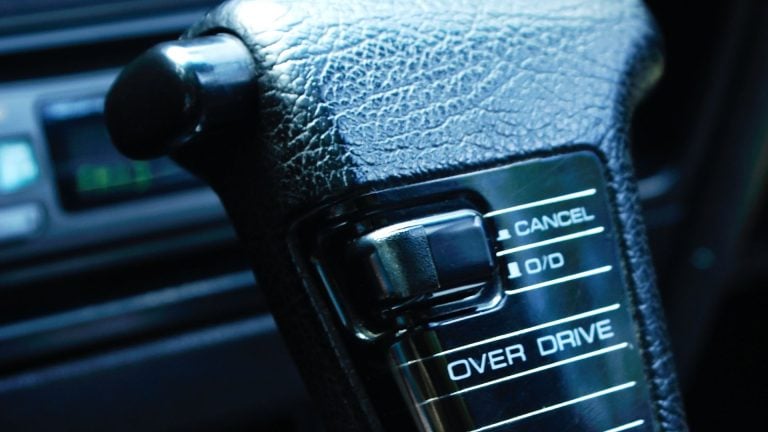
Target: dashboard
126, 302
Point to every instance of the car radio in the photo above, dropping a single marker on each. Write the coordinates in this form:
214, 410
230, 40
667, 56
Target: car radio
89, 170
64, 187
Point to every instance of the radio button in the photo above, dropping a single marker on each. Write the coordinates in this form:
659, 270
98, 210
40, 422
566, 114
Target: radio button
20, 222
18, 167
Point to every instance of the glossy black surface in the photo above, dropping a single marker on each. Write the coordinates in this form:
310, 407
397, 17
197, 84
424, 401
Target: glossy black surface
549, 343
177, 91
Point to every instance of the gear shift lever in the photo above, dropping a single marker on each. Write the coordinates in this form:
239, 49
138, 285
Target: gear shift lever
437, 199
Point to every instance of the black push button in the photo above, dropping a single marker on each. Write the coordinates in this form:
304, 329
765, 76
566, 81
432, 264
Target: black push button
427, 256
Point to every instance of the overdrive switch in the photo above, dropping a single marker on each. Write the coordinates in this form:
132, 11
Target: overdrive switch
416, 261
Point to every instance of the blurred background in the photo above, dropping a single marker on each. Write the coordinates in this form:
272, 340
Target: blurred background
127, 304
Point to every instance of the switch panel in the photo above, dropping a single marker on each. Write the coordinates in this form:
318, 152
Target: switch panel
537, 331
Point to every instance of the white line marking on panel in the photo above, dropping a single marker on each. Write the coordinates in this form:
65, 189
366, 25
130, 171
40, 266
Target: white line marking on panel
566, 197
558, 406
627, 426
580, 234
582, 275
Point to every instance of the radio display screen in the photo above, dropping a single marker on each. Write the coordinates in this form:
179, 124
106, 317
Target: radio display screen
89, 171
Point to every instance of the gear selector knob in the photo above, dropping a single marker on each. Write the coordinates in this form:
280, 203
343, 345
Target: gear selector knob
437, 199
